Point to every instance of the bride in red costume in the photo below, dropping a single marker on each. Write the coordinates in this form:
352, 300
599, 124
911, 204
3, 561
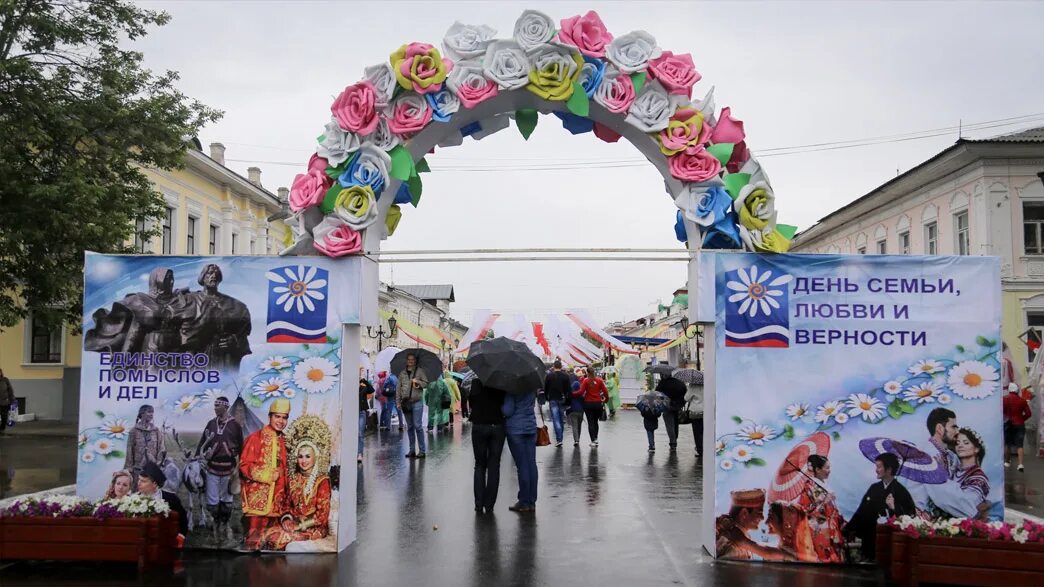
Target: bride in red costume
308, 487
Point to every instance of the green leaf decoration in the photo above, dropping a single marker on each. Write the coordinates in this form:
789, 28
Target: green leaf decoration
422, 166
402, 163
737, 419
982, 341
579, 103
116, 454
787, 230
416, 188
906, 407
788, 432
722, 151
894, 410
757, 461
99, 413
330, 198
638, 79
335, 172
990, 342
734, 182
835, 435
526, 121
960, 348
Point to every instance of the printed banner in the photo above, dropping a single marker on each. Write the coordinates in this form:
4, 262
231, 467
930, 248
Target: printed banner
216, 381
850, 389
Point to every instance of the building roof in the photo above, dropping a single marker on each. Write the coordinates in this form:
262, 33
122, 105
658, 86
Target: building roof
429, 292
1030, 135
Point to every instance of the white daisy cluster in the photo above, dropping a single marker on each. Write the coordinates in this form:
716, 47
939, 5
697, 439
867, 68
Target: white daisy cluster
138, 505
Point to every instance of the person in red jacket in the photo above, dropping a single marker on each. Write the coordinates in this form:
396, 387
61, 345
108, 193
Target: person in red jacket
1016, 412
595, 394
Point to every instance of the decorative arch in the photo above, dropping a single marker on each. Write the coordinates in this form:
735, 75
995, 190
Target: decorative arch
834, 250
846, 246
860, 242
903, 224
880, 233
371, 154
959, 201
930, 213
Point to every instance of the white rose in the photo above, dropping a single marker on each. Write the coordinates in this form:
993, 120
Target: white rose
766, 210
371, 163
446, 103
752, 239
506, 64
465, 41
632, 52
336, 144
383, 78
652, 108
533, 28
382, 137
706, 108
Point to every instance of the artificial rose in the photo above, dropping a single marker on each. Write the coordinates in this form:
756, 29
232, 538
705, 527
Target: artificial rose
318, 163
356, 205
728, 129
694, 164
370, 168
467, 41
769, 240
554, 71
677, 73
420, 67
631, 53
391, 221
533, 28
383, 79
308, 189
382, 137
444, 104
409, 114
755, 171
704, 205
506, 64
652, 108
685, 129
723, 234
356, 108
466, 80
616, 92
706, 107
591, 74
334, 238
336, 144
587, 33
756, 206
740, 156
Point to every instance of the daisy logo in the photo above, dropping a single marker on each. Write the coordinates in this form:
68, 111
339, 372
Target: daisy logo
757, 309
297, 299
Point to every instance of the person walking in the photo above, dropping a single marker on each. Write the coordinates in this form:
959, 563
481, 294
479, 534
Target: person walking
388, 389
675, 391
366, 391
487, 442
437, 397
1016, 413
612, 383
576, 410
557, 390
412, 382
454, 390
7, 399
520, 426
694, 405
595, 395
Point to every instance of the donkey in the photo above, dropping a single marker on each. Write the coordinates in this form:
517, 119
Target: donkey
195, 483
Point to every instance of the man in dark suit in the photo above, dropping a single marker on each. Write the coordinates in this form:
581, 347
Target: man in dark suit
883, 499
149, 482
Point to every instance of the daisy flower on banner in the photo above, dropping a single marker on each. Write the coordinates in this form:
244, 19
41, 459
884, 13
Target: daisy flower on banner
757, 291
756, 434
862, 405
892, 387
742, 453
115, 428
926, 367
827, 411
973, 379
315, 375
185, 404
797, 411
726, 464
297, 288
272, 387
274, 363
924, 392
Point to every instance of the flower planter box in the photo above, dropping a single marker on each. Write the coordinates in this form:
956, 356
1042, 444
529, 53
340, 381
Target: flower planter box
145, 541
959, 561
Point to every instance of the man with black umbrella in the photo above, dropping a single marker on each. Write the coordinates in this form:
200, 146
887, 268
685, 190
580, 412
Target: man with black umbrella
412, 382
675, 391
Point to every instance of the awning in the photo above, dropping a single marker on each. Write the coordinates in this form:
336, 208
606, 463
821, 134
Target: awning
643, 340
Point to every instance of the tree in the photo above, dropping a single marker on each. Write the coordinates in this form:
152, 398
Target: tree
79, 119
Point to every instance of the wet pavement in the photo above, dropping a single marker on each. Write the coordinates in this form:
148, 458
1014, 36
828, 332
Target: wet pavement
610, 515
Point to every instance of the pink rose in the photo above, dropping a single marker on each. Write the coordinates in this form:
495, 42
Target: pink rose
410, 113
333, 238
587, 33
728, 129
616, 92
677, 73
309, 189
356, 108
685, 129
420, 67
317, 163
694, 164
470, 85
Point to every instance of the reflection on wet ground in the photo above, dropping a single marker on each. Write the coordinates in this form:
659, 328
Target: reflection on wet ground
610, 515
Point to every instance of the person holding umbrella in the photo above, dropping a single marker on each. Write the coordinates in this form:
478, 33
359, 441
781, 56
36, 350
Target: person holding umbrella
487, 442
675, 391
520, 425
412, 382
824, 518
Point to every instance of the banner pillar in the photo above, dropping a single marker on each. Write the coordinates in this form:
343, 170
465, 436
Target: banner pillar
349, 441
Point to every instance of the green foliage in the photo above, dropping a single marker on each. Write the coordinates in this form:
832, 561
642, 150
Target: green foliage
788, 432
79, 117
99, 413
835, 435
756, 461
737, 419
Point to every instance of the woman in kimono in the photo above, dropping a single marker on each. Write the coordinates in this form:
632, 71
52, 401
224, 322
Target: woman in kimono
308, 488
820, 506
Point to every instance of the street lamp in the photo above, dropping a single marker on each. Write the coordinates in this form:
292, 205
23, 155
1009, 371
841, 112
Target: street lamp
684, 323
381, 335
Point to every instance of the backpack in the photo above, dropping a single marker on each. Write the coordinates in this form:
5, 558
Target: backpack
693, 407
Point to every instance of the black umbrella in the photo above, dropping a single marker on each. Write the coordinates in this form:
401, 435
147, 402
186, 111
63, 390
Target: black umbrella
427, 363
660, 369
688, 376
507, 365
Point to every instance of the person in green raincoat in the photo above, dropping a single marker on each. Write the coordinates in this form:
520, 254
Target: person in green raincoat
612, 383
437, 395
454, 389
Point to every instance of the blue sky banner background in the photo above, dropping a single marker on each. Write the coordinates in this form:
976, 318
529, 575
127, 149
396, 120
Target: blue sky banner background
768, 398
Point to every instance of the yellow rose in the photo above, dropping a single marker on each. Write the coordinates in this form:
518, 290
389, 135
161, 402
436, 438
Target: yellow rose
356, 205
554, 71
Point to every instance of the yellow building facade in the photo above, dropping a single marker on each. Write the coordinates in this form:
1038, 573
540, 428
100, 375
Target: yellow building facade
211, 210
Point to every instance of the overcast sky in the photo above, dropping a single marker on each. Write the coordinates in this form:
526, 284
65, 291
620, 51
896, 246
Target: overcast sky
796, 74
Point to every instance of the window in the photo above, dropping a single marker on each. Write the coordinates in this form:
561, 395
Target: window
931, 235
235, 240
190, 236
140, 242
213, 239
882, 247
960, 223
1035, 322
45, 344
861, 250
1032, 221
168, 232
904, 243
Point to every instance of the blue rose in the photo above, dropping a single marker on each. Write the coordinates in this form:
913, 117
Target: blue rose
591, 74
575, 124
443, 104
723, 234
679, 228
370, 167
704, 205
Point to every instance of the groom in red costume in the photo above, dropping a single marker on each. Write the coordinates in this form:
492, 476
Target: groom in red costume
263, 470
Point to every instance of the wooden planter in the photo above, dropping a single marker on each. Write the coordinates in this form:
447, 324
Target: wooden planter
145, 541
959, 561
